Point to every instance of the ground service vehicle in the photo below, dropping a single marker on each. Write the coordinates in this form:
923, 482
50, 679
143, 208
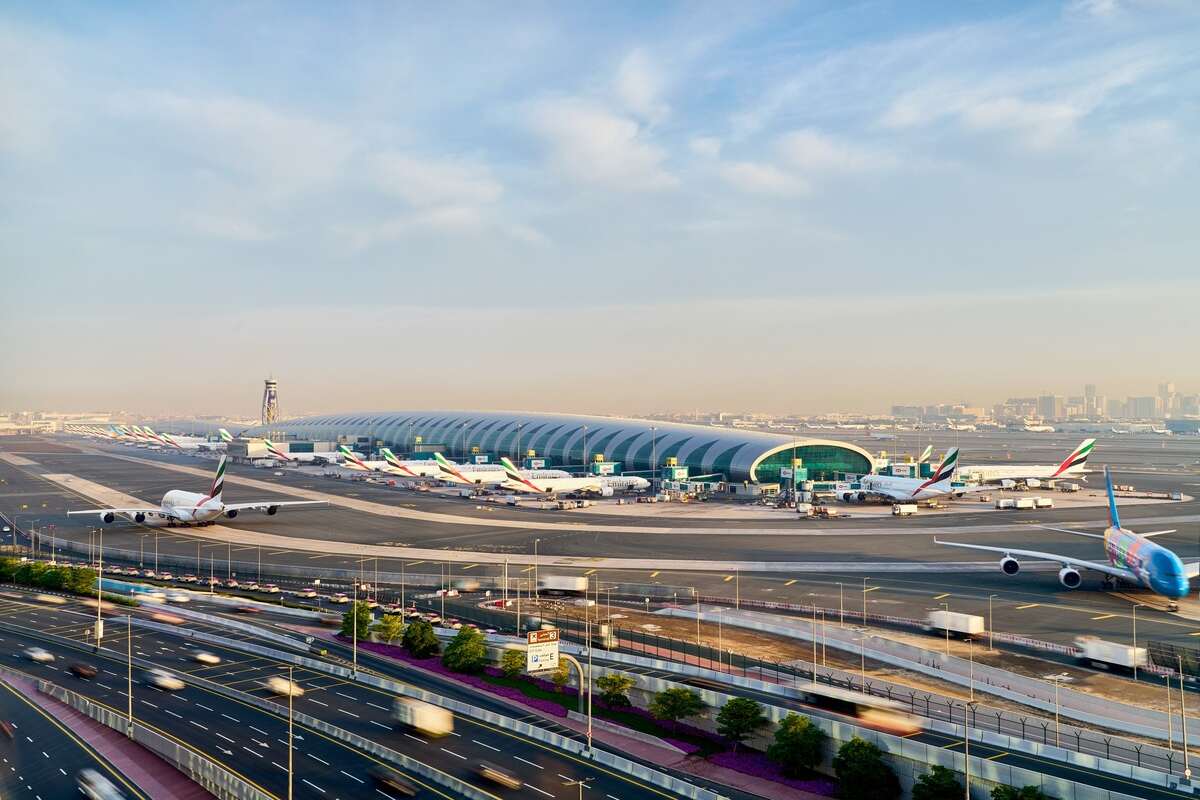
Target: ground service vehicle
562, 584
425, 717
964, 625
1108, 655
904, 509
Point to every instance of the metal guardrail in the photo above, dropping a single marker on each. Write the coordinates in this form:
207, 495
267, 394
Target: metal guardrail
208, 774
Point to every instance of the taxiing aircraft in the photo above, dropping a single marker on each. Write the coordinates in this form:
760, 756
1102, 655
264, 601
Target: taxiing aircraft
180, 507
907, 490
1132, 557
1071, 466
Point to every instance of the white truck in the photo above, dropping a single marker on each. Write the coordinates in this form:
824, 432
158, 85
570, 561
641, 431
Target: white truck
1107, 655
904, 509
1068, 486
1043, 502
966, 626
1006, 503
562, 584
1025, 503
425, 717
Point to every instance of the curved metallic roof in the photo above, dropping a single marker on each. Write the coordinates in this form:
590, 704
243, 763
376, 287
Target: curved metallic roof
567, 438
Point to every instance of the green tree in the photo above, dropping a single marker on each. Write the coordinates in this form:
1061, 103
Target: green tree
358, 616
512, 663
798, 745
390, 628
614, 689
561, 675
420, 640
862, 774
937, 784
467, 651
739, 718
82, 580
1024, 793
675, 704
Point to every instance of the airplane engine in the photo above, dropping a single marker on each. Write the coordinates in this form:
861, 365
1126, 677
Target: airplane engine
231, 513
1009, 565
139, 517
847, 497
862, 497
1069, 578
272, 510
107, 517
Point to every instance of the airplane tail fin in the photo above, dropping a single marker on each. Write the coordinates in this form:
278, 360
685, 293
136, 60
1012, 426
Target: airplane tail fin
388, 456
1114, 519
1077, 459
946, 469
509, 468
225, 435
925, 454
218, 484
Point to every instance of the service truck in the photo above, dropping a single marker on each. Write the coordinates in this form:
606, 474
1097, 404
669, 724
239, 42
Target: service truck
1006, 502
1025, 503
904, 509
965, 625
1108, 655
425, 717
1043, 502
562, 584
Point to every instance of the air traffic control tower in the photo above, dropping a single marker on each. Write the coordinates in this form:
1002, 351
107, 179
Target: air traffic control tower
270, 401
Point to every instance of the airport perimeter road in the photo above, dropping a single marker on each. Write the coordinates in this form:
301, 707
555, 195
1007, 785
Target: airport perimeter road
359, 709
43, 756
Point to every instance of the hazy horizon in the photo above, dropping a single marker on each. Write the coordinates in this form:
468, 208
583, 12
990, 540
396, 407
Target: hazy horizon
775, 207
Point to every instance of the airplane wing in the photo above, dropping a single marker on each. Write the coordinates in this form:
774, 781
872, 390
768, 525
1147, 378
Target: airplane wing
154, 510
1068, 530
1066, 561
261, 504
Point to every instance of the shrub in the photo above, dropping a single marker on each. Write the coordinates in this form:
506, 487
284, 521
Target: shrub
1024, 793
420, 640
675, 704
798, 745
562, 675
467, 652
390, 628
512, 663
738, 718
939, 783
861, 773
614, 689
357, 620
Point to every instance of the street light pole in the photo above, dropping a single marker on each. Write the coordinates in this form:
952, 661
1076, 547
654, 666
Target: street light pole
967, 746
1187, 769
354, 628
947, 625
290, 693
99, 593
129, 671
991, 627
536, 594
1135, 655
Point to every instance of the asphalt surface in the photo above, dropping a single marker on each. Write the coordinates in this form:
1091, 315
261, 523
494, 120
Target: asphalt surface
253, 742
43, 757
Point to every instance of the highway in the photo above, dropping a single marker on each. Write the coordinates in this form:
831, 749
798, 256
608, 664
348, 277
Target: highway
43, 756
247, 744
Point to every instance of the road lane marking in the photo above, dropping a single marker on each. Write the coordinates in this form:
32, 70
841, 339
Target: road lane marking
485, 744
323, 761
348, 775
998, 755
941, 596
451, 752
530, 763
1103, 616
310, 783
1028, 605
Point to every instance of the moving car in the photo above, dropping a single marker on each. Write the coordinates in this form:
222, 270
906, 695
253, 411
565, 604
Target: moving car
390, 779
497, 774
205, 657
95, 786
269, 588
161, 679
40, 655
81, 670
283, 686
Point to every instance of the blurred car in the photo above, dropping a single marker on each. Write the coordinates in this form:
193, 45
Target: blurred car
50, 599
248, 609
95, 786
167, 619
232, 583
161, 679
283, 686
40, 655
390, 779
498, 774
269, 588
189, 579
307, 591
166, 576
179, 597
81, 670
340, 598
205, 657
149, 573
252, 586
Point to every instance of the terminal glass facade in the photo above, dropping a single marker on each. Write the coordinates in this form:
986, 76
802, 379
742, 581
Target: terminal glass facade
823, 462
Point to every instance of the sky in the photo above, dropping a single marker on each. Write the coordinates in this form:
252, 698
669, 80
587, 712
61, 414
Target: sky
603, 207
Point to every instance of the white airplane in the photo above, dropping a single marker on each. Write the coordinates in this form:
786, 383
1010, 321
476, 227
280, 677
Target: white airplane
180, 507
486, 474
596, 484
907, 490
1132, 557
1035, 427
302, 458
1071, 466
351, 460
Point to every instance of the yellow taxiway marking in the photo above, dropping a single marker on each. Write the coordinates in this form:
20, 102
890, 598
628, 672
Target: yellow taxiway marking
941, 596
469, 566
728, 578
415, 563
1197, 633
998, 755
590, 572
278, 552
1028, 605
655, 574
872, 589
528, 569
1103, 616
322, 555
789, 583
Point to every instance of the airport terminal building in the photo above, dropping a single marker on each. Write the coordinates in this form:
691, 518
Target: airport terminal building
573, 441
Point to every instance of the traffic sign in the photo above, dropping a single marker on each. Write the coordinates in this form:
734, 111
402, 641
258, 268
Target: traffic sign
541, 653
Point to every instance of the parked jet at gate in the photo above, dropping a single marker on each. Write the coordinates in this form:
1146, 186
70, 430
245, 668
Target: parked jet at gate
1070, 467
486, 474
180, 507
598, 484
1132, 557
892, 488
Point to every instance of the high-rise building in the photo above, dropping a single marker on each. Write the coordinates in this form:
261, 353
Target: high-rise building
1148, 407
1051, 406
270, 401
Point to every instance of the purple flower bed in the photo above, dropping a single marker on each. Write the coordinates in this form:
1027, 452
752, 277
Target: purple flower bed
435, 665
752, 762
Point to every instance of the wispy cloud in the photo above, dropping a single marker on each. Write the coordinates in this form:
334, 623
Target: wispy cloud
761, 178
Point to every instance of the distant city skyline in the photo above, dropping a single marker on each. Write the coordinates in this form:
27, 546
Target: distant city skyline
792, 208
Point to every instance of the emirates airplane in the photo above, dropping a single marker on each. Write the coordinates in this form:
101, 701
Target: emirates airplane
597, 484
187, 508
